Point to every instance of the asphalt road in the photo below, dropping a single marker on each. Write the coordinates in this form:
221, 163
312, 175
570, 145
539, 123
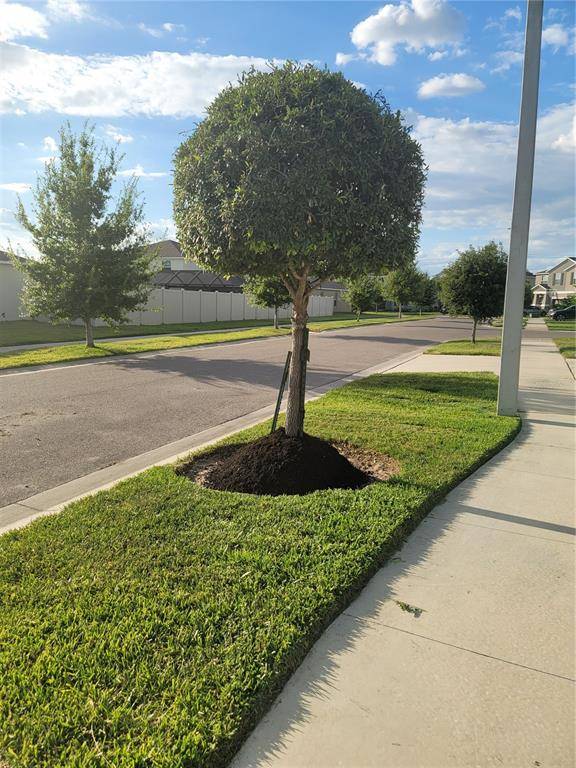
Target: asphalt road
62, 422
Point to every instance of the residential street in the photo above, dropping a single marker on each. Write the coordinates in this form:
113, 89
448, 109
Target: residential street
60, 423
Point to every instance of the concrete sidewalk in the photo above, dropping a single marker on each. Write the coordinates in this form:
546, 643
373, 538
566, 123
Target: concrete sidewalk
481, 671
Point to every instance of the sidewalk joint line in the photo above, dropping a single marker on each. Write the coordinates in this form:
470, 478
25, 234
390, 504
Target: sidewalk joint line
459, 647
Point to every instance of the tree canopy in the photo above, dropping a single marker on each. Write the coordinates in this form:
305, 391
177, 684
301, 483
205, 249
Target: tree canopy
404, 285
475, 283
297, 173
363, 293
267, 292
93, 261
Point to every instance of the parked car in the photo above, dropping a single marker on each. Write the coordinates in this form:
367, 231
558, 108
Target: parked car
567, 313
533, 311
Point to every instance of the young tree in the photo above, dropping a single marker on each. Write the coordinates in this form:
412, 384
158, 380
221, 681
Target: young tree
92, 262
475, 284
362, 293
267, 292
403, 285
298, 174
427, 292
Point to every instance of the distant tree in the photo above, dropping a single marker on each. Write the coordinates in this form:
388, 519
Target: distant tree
298, 174
475, 284
267, 292
569, 301
527, 294
403, 285
362, 293
426, 291
93, 261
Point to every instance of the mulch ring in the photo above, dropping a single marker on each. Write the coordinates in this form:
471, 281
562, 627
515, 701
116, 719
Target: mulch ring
276, 464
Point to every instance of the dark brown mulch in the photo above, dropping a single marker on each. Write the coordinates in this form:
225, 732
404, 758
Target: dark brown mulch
277, 464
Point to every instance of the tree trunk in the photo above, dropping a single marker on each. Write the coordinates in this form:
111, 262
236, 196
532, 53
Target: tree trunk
399, 310
276, 318
358, 316
474, 324
89, 332
297, 381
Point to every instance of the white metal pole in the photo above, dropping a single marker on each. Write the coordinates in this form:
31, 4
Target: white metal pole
516, 275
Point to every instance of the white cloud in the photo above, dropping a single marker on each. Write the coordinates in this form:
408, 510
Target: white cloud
413, 25
68, 10
513, 13
470, 185
157, 83
345, 58
21, 21
160, 31
450, 86
139, 171
437, 55
163, 229
49, 144
169, 27
114, 133
556, 36
507, 59
17, 187
152, 31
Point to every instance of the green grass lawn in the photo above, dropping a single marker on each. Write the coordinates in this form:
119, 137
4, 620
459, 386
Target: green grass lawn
561, 325
498, 322
152, 624
567, 346
33, 332
465, 347
15, 332
348, 320
70, 352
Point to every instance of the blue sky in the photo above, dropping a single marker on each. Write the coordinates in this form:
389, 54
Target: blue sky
143, 72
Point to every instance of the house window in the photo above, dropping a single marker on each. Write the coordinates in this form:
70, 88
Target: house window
166, 264
573, 278
544, 279
558, 278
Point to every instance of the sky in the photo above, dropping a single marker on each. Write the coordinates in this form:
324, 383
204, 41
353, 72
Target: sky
143, 73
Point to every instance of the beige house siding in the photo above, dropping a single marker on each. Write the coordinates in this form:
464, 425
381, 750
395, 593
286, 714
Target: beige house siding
11, 284
555, 284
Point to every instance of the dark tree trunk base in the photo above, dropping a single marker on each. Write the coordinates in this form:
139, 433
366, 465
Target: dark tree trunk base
277, 464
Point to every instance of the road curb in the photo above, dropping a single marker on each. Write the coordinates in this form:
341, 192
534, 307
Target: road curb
22, 512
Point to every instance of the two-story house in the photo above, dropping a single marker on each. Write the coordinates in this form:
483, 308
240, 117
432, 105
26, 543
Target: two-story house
554, 284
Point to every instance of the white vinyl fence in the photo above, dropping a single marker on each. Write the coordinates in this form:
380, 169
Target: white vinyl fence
176, 305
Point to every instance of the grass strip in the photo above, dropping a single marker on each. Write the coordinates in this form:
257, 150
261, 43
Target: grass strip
561, 325
15, 332
71, 352
372, 318
466, 347
566, 346
152, 624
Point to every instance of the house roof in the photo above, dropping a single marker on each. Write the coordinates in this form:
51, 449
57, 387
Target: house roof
569, 262
197, 280
166, 249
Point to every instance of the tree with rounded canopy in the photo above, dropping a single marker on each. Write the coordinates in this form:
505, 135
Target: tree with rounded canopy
267, 292
93, 260
475, 284
297, 173
403, 285
362, 293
